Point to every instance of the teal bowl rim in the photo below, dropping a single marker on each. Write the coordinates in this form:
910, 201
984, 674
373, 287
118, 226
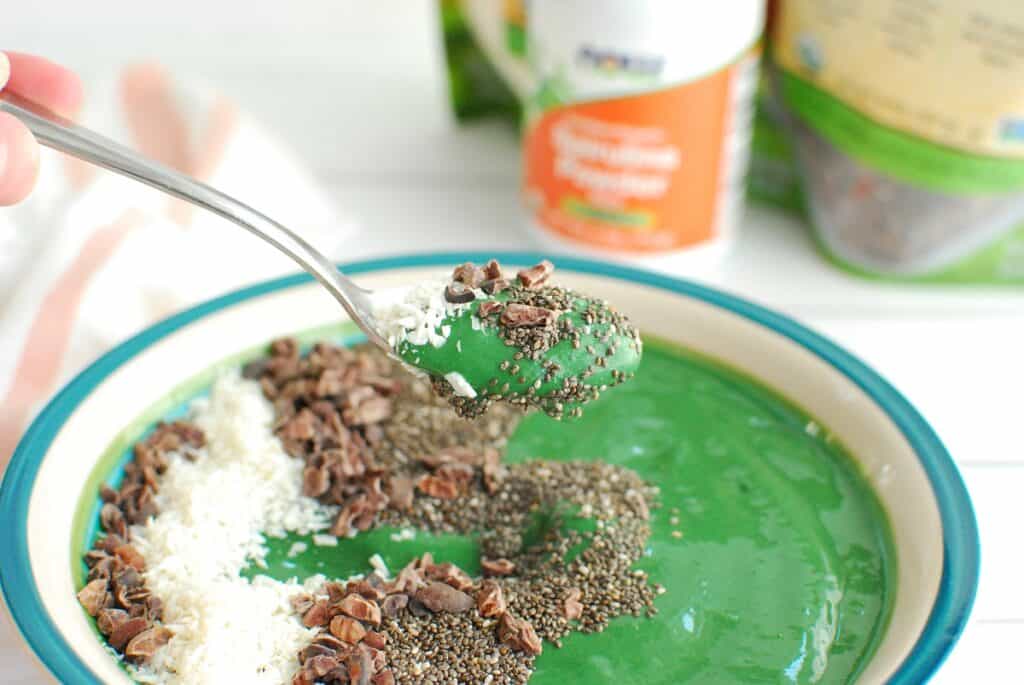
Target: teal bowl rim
961, 561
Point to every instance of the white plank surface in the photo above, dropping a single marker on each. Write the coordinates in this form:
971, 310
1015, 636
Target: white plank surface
358, 90
987, 654
996, 491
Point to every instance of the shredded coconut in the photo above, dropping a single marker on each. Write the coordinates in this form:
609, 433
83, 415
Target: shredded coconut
416, 314
460, 385
377, 562
296, 549
403, 535
214, 514
321, 540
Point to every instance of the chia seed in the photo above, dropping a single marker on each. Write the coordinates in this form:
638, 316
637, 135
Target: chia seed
551, 580
533, 342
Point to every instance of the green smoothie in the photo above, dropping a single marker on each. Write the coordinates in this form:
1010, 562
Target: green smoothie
484, 338
775, 553
600, 355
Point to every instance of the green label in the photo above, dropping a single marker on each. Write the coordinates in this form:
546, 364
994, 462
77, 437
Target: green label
622, 219
897, 154
515, 39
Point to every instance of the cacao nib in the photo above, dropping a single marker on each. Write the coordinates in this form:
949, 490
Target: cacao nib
107, 620
438, 596
524, 315
124, 632
490, 600
519, 634
361, 608
438, 487
457, 293
321, 665
375, 639
536, 275
489, 307
497, 567
492, 269
400, 492
347, 629
393, 604
494, 286
316, 615
144, 644
360, 667
468, 274
94, 596
572, 608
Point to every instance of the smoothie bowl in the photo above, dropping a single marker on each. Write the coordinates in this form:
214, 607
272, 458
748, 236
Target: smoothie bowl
754, 506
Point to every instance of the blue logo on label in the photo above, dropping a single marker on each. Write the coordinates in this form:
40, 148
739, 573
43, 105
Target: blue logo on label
1012, 130
620, 62
810, 52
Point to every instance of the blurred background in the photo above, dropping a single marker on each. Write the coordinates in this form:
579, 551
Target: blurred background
398, 126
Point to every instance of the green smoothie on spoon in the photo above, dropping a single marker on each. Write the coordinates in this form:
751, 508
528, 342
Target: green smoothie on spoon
484, 338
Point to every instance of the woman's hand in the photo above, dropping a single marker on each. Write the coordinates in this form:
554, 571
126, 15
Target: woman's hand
46, 83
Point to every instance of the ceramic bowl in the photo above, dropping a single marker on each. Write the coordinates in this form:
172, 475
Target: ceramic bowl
932, 521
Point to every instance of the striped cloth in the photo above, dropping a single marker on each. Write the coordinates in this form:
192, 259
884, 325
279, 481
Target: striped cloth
92, 258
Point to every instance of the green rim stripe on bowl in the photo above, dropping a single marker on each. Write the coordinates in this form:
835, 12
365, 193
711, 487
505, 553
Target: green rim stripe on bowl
960, 570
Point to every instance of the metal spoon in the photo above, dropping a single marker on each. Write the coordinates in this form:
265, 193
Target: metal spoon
54, 131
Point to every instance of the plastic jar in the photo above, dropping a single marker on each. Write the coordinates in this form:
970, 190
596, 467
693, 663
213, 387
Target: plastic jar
908, 123
637, 135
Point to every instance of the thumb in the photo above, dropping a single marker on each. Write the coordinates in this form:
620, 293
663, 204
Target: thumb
19, 160
5, 70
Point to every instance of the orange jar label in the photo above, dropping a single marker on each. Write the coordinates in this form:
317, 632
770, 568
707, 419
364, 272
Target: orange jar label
638, 129
641, 172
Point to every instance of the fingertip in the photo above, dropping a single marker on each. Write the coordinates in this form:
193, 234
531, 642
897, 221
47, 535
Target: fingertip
69, 93
5, 70
19, 160
44, 81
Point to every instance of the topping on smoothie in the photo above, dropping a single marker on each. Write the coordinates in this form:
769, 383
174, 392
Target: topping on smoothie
349, 433
557, 545
482, 338
536, 275
127, 613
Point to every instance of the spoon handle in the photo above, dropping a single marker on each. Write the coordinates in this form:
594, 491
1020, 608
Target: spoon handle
59, 133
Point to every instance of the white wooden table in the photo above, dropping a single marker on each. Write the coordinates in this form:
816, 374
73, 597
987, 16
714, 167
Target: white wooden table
358, 89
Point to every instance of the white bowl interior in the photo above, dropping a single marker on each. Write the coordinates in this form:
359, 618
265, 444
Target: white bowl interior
857, 422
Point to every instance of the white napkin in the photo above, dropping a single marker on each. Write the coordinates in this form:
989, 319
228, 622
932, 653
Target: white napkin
91, 258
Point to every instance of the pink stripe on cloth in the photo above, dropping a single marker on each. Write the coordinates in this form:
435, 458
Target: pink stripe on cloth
220, 127
36, 373
160, 128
